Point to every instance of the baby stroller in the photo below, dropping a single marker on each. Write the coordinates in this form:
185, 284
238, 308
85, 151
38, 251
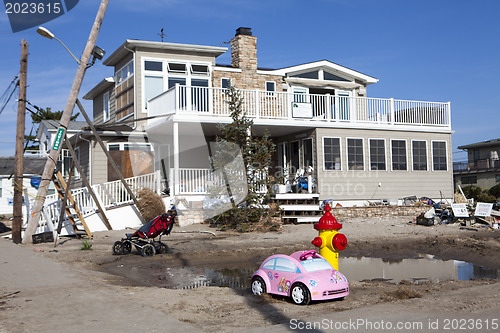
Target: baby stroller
144, 238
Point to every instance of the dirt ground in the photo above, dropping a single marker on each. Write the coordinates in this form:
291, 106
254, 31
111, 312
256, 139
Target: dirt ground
149, 281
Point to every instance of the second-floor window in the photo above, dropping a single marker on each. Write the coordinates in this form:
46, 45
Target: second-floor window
270, 88
225, 82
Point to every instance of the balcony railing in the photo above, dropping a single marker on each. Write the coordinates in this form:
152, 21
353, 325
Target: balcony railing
483, 164
204, 101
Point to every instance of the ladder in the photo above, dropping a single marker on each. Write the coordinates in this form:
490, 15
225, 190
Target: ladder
61, 188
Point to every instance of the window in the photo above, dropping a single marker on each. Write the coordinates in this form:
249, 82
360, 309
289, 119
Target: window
355, 154
225, 82
284, 265
332, 77
307, 75
153, 86
105, 107
331, 153
419, 154
269, 264
468, 180
64, 162
398, 150
172, 81
156, 66
124, 73
142, 146
199, 69
177, 68
270, 88
497, 179
307, 152
377, 154
439, 160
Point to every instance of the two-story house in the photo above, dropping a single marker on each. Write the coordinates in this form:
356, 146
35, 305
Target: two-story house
482, 167
359, 148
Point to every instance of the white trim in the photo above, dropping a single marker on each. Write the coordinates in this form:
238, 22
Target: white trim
228, 69
446, 155
347, 152
370, 155
406, 154
121, 145
426, 156
106, 115
340, 152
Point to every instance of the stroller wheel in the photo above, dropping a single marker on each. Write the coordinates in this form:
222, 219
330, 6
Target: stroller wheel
127, 247
118, 248
161, 248
148, 250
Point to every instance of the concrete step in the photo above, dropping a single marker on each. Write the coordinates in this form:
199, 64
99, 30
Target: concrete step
301, 219
296, 196
299, 208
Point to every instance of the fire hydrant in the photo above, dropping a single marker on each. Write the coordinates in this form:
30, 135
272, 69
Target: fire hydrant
330, 241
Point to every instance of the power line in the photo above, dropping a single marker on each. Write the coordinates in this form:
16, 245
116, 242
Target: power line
11, 93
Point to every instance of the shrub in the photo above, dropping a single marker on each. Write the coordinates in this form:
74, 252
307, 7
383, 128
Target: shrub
495, 191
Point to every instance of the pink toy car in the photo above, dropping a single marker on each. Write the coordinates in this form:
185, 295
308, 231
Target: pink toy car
303, 276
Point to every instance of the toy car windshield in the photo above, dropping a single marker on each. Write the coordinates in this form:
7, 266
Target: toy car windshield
317, 264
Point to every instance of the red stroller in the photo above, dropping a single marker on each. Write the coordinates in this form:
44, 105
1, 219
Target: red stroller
144, 238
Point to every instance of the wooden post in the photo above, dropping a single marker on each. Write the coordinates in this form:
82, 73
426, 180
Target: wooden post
17, 223
87, 184
111, 161
68, 110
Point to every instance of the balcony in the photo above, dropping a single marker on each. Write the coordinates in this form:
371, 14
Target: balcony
315, 110
483, 164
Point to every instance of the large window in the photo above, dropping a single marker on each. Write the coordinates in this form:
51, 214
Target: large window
377, 154
468, 180
439, 160
331, 153
398, 152
355, 154
419, 155
307, 152
160, 75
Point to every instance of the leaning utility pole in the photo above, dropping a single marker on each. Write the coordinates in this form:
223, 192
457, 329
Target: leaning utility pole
17, 223
63, 124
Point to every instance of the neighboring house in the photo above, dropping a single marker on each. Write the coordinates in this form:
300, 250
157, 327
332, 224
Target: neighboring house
33, 167
318, 114
483, 166
47, 131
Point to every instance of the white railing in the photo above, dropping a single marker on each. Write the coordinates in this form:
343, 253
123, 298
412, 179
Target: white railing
325, 108
110, 194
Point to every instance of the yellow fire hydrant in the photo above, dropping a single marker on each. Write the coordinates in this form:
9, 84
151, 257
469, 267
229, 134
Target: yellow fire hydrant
330, 241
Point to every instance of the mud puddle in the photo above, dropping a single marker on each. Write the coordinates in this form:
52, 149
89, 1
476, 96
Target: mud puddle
173, 272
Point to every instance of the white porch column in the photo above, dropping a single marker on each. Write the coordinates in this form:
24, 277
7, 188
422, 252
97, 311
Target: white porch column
176, 157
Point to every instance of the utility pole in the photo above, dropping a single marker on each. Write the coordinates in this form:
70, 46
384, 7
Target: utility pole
17, 223
61, 131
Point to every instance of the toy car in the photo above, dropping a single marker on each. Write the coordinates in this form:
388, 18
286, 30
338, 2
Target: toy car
303, 276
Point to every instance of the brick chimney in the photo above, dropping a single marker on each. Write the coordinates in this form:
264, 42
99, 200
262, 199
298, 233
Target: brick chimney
244, 50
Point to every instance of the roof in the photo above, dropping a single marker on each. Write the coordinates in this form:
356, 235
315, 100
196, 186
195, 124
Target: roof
325, 64
483, 144
100, 87
132, 44
53, 125
32, 165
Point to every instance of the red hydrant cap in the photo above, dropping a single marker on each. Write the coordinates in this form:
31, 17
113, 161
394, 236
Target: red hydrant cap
339, 242
327, 221
317, 242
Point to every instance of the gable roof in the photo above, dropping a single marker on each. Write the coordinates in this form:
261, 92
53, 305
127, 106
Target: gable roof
53, 125
32, 165
99, 88
324, 64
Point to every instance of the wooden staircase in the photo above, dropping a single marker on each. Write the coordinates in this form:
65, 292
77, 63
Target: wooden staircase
299, 207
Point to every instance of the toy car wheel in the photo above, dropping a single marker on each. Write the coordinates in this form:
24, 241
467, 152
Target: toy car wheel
161, 248
258, 286
148, 250
118, 248
127, 247
300, 294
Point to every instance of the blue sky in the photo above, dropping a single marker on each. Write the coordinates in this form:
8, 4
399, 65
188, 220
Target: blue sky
445, 50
